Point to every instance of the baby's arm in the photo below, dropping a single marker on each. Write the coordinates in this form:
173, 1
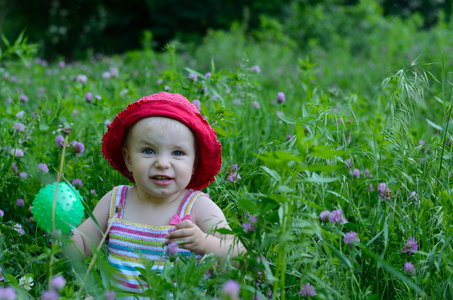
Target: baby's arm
197, 235
87, 236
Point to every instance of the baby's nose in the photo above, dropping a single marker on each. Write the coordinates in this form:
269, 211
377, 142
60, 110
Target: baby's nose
162, 162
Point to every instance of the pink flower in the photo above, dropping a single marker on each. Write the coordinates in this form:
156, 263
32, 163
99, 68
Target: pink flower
93, 192
192, 76
356, 173
371, 188
207, 75
50, 295
20, 202
60, 141
307, 290
256, 104
410, 247
19, 127
20, 114
348, 164
77, 147
110, 295
23, 175
2, 213
77, 182
172, 249
18, 152
351, 237
89, 97
324, 215
18, 227
197, 103
23, 98
14, 168
384, 191
409, 268
281, 97
58, 283
336, 217
81, 78
255, 69
7, 293
43, 167
231, 288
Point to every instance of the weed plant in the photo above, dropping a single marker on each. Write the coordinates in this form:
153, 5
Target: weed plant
339, 185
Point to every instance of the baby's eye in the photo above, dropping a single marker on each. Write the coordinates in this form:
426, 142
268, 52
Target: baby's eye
148, 151
178, 153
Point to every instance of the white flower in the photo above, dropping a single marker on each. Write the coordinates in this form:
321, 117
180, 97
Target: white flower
26, 282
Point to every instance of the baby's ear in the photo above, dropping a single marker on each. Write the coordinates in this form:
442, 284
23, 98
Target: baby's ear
127, 159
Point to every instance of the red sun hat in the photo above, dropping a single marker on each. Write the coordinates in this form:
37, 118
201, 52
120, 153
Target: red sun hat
173, 106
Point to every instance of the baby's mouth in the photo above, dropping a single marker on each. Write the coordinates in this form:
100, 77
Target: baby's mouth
161, 178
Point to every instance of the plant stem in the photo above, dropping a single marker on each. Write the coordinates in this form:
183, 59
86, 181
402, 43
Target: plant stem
60, 171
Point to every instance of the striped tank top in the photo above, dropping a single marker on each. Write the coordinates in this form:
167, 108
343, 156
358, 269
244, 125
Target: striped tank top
129, 243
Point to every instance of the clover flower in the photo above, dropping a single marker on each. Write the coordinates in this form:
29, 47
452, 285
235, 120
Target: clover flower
281, 97
2, 213
384, 191
367, 173
255, 69
410, 246
231, 288
256, 104
409, 268
26, 282
110, 295
82, 78
50, 295
351, 237
61, 64
17, 152
348, 164
231, 174
371, 188
23, 98
448, 143
356, 173
89, 97
421, 142
193, 76
337, 216
20, 202
172, 249
77, 181
324, 215
43, 167
14, 168
23, 175
20, 114
60, 141
1, 277
18, 228
77, 147
7, 293
307, 290
250, 225
197, 103
93, 192
58, 283
207, 75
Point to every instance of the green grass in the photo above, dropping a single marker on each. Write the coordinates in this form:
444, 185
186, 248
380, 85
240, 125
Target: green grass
292, 158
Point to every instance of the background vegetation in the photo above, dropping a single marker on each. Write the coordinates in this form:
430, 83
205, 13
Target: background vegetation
367, 101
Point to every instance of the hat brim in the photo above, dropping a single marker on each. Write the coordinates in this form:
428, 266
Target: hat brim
173, 106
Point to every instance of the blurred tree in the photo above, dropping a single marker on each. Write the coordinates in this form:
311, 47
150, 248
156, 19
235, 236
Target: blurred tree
69, 28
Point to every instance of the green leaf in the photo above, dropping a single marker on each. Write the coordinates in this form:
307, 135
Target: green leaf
434, 125
320, 179
322, 168
339, 255
274, 174
326, 153
221, 131
390, 269
248, 205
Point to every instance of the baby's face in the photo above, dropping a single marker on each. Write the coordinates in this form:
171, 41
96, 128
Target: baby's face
160, 153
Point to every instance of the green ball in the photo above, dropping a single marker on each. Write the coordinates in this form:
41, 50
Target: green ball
69, 209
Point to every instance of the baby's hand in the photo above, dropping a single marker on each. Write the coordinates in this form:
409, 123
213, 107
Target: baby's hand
188, 236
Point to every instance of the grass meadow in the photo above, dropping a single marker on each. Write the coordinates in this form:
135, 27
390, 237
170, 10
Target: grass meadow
342, 188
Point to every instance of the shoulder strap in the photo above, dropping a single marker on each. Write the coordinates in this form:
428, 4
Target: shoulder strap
117, 201
188, 202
